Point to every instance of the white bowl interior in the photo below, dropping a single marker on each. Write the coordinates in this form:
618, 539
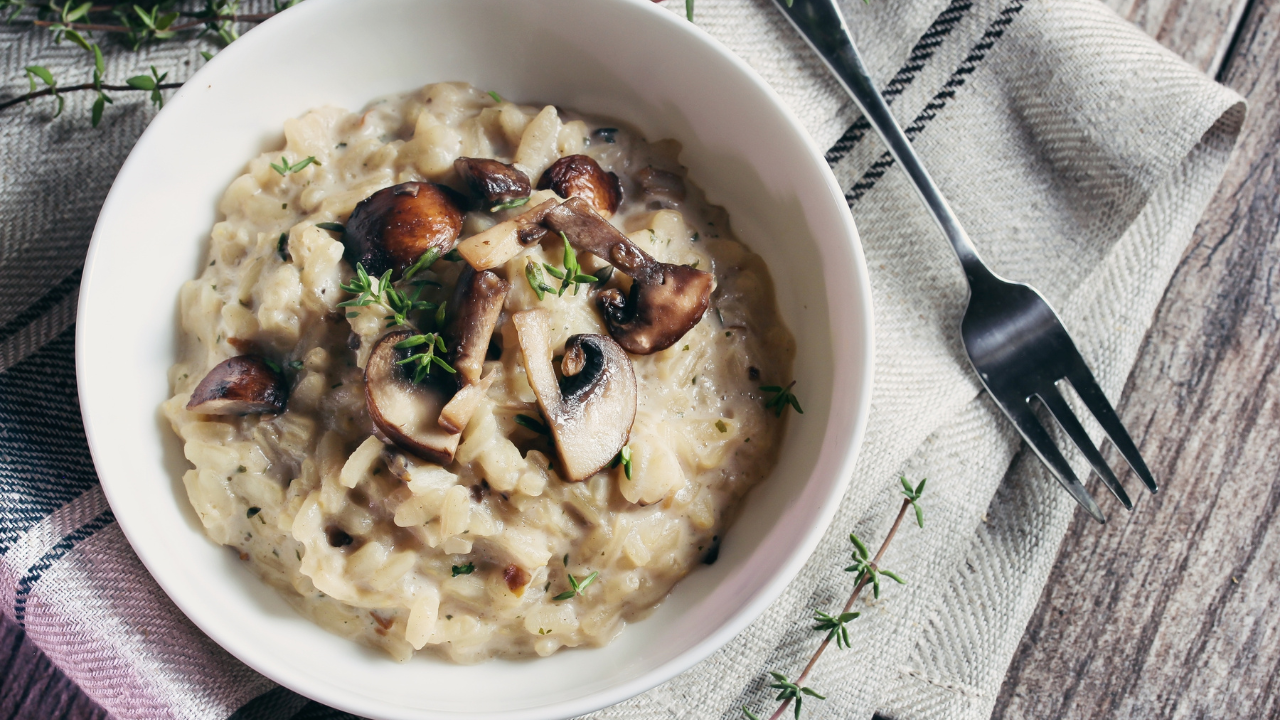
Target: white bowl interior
621, 58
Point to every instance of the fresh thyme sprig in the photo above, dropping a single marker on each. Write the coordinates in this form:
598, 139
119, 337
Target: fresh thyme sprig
366, 288
464, 569
284, 168
136, 26
577, 586
789, 691
401, 304
782, 398
424, 262
835, 626
532, 424
913, 495
509, 204
536, 279
423, 361
624, 458
572, 273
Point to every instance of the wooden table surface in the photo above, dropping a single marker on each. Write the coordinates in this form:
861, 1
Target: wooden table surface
1172, 610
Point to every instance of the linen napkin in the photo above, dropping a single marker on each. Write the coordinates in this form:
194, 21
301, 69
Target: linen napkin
1079, 155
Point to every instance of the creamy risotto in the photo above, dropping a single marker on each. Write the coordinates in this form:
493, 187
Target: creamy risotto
474, 377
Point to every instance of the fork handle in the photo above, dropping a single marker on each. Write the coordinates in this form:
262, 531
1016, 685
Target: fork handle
823, 26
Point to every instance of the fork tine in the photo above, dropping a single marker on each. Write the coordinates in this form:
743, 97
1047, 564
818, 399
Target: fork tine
1093, 397
1053, 400
1036, 436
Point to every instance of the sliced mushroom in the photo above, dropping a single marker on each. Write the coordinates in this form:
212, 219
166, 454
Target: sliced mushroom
661, 184
493, 181
666, 300
458, 411
592, 409
582, 177
393, 227
406, 413
503, 241
478, 303
240, 386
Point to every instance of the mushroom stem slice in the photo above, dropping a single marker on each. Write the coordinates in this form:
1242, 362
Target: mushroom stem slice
407, 413
240, 386
666, 300
393, 227
458, 411
507, 239
591, 411
478, 303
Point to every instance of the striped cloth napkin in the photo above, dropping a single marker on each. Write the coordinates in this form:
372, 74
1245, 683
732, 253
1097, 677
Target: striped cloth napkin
1079, 155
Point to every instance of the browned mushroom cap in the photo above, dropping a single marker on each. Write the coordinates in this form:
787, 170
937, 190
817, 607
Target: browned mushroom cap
661, 184
582, 177
240, 386
592, 409
493, 181
407, 413
477, 303
666, 300
393, 227
500, 243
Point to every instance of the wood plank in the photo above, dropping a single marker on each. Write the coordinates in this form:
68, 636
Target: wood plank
1174, 610
1198, 30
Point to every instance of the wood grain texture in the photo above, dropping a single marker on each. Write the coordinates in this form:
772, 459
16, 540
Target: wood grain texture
1174, 610
1198, 30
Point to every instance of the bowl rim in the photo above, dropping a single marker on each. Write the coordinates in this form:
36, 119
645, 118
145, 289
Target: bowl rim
735, 623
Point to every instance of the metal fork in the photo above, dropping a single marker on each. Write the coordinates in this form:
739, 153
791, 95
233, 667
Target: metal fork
1015, 341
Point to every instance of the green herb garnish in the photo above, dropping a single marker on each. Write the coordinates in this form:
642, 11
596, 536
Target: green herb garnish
577, 586
781, 399
572, 273
835, 626
509, 204
624, 458
537, 281
789, 690
366, 288
424, 361
464, 569
335, 227
424, 262
284, 168
496, 97
913, 495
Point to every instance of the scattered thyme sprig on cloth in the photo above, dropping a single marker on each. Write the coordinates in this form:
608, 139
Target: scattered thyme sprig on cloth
836, 626
134, 26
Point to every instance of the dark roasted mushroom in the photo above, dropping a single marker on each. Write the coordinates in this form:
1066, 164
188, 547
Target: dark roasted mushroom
393, 227
500, 243
477, 303
666, 300
240, 386
406, 413
592, 409
492, 181
582, 177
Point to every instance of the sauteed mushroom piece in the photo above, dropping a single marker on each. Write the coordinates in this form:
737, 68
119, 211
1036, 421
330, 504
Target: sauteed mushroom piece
666, 300
582, 177
503, 241
478, 299
240, 385
406, 413
478, 303
493, 181
592, 409
393, 227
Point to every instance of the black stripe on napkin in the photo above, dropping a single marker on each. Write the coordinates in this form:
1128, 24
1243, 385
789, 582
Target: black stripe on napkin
44, 459
920, 54
55, 553
53, 296
939, 101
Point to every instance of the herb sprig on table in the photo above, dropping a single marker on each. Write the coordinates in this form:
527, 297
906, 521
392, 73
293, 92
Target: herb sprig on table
867, 571
130, 25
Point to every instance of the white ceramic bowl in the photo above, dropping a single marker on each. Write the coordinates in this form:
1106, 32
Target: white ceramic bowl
622, 58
